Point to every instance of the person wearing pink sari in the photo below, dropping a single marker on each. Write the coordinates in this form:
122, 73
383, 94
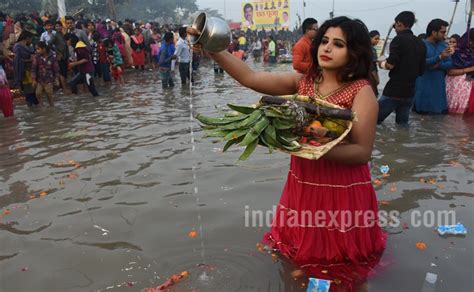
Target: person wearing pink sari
458, 89
464, 58
458, 85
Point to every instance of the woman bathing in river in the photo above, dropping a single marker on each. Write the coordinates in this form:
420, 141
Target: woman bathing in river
345, 245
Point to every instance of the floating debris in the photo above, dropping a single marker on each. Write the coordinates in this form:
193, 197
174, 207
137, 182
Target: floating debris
275, 258
384, 169
193, 233
393, 188
72, 175
377, 182
429, 284
318, 285
105, 231
457, 229
297, 274
421, 245
170, 282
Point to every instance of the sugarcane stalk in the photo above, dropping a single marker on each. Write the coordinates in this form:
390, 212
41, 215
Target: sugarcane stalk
324, 112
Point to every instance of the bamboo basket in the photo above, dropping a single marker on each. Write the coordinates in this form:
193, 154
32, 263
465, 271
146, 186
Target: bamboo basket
316, 152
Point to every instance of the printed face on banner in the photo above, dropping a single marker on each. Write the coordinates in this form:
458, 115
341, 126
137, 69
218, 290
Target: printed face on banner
266, 14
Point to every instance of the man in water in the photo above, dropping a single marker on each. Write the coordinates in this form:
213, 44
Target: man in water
430, 94
302, 59
406, 62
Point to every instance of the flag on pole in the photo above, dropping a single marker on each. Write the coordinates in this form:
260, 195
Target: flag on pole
61, 8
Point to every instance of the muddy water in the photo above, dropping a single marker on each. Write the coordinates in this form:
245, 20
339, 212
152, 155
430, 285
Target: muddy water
99, 194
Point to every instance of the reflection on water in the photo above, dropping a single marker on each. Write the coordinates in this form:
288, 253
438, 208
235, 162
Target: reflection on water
123, 163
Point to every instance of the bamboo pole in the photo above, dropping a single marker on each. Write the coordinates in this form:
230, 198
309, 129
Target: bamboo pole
386, 39
112, 10
452, 17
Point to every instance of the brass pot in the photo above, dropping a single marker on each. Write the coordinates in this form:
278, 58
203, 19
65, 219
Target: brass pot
215, 34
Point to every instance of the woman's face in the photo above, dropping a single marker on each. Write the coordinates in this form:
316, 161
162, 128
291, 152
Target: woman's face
332, 52
58, 27
375, 40
452, 42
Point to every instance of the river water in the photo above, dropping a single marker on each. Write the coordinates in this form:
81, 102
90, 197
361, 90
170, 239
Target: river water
100, 194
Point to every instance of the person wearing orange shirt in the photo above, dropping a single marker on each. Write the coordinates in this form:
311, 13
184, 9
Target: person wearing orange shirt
302, 59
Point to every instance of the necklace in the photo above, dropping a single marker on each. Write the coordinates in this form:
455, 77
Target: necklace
319, 95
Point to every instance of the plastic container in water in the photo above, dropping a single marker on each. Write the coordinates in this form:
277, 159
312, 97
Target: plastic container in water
430, 282
318, 285
456, 229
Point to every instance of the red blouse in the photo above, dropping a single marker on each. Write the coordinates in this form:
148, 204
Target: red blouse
343, 97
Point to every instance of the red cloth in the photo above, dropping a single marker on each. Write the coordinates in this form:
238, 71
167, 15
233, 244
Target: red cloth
102, 50
302, 59
470, 108
343, 250
138, 53
239, 54
138, 58
116, 71
6, 101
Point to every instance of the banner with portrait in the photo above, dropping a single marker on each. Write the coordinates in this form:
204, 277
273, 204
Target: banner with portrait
265, 14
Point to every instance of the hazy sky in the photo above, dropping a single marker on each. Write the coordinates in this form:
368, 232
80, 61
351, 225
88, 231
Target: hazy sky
376, 14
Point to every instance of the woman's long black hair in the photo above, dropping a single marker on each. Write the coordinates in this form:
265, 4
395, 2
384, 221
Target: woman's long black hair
359, 48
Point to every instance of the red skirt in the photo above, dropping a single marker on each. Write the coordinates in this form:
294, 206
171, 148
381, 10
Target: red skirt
138, 58
6, 101
326, 222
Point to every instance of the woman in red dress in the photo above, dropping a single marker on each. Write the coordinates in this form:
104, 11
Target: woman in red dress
138, 47
342, 241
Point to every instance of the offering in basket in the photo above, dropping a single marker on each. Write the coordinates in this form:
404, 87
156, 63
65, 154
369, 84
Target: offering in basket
292, 124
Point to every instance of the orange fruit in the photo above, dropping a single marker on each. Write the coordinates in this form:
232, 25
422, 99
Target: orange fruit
312, 124
315, 124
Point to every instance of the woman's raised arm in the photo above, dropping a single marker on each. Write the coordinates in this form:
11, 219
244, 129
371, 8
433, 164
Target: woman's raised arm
263, 82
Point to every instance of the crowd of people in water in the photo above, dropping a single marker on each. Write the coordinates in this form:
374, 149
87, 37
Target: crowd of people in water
43, 56
337, 62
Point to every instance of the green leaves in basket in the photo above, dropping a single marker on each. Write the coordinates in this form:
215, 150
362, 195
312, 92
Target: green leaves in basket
242, 109
255, 131
269, 126
249, 150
